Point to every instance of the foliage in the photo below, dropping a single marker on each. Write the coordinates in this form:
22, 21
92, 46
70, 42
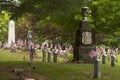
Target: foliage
22, 27
106, 19
4, 20
70, 57
66, 14
52, 12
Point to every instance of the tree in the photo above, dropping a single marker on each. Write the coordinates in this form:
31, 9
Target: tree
4, 20
52, 12
66, 14
105, 15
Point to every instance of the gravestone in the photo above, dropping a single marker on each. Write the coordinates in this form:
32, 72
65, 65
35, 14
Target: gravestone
97, 69
113, 60
84, 40
43, 56
104, 57
11, 33
54, 56
49, 56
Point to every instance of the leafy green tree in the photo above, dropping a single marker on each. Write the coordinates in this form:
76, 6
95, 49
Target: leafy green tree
4, 20
104, 16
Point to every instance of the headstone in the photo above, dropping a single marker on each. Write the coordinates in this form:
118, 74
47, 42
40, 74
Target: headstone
97, 70
104, 57
113, 60
55, 56
11, 33
43, 56
49, 56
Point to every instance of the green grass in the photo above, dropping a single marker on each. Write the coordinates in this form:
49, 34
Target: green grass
4, 77
54, 71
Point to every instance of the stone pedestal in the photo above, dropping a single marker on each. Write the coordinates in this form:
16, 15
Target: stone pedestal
84, 51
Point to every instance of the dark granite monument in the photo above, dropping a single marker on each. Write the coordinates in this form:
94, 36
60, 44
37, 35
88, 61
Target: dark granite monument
84, 40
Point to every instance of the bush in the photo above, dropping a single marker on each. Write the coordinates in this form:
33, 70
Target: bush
70, 57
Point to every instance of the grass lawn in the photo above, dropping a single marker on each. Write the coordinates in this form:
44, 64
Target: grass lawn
52, 71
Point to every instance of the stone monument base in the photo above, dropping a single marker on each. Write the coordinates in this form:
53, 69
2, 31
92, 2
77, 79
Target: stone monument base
84, 53
81, 54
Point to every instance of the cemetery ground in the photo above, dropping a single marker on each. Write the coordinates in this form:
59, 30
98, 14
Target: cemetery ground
52, 71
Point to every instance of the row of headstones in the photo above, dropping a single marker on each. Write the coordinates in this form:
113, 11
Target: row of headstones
97, 70
47, 56
113, 60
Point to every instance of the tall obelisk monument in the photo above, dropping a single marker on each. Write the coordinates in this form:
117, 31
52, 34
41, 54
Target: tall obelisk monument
11, 33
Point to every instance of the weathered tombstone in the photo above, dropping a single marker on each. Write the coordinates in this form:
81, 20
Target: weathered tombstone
113, 60
11, 33
97, 69
43, 56
49, 56
54, 56
84, 40
104, 57
44, 51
